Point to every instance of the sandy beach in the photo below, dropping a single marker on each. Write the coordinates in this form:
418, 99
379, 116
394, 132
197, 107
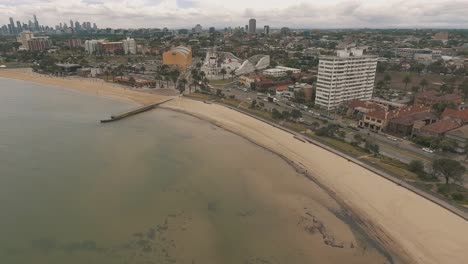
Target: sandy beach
416, 229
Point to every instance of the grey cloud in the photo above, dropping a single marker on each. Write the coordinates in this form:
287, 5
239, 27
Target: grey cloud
186, 13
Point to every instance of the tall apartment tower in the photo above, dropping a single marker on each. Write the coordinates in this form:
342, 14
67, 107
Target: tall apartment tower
252, 26
266, 30
346, 76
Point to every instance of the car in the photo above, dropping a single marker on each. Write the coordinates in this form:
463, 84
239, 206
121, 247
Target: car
392, 138
265, 99
245, 89
428, 150
228, 89
249, 99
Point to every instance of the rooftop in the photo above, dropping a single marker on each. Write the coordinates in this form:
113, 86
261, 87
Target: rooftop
441, 126
449, 113
459, 132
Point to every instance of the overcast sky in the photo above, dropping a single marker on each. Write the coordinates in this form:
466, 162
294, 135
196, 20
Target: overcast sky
221, 13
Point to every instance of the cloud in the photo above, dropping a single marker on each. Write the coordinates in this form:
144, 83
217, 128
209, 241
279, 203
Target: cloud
221, 13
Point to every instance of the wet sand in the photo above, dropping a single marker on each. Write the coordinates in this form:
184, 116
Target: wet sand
411, 227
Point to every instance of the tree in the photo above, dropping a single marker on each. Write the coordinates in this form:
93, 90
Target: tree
463, 87
416, 166
182, 83
423, 84
233, 74
406, 80
131, 81
223, 72
372, 147
358, 139
380, 84
253, 104
286, 115
276, 114
315, 125
387, 78
296, 114
449, 169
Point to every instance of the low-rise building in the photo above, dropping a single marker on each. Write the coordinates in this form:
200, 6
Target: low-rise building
280, 71
403, 125
111, 47
437, 129
180, 56
460, 136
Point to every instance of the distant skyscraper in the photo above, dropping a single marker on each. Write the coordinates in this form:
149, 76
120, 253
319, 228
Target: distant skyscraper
12, 26
252, 26
266, 30
77, 26
197, 29
212, 30
71, 24
246, 28
18, 27
36, 23
94, 26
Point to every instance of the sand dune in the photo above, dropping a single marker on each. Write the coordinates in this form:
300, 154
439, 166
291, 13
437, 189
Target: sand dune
417, 229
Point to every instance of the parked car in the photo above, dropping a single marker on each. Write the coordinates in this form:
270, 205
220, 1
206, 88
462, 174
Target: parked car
392, 138
428, 150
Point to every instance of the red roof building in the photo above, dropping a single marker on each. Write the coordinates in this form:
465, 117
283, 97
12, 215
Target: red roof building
460, 116
438, 128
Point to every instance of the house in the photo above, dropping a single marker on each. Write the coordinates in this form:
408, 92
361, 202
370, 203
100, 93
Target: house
438, 128
459, 135
430, 98
401, 121
460, 116
369, 114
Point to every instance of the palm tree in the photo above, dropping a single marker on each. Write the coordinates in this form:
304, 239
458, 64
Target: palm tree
181, 85
406, 80
423, 83
387, 78
233, 73
223, 72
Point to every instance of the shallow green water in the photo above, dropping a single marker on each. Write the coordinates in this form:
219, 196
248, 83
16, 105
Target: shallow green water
160, 187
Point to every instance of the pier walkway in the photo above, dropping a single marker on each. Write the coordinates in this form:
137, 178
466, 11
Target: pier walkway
134, 111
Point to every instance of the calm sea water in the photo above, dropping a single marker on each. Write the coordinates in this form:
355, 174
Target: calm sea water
160, 187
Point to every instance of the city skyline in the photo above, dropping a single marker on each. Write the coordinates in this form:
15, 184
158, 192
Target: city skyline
294, 14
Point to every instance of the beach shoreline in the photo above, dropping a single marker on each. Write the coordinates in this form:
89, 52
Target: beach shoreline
414, 229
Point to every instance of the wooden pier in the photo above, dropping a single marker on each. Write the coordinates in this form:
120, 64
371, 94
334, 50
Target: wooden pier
134, 111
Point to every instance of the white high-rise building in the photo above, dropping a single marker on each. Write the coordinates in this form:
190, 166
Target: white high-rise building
92, 46
349, 75
129, 46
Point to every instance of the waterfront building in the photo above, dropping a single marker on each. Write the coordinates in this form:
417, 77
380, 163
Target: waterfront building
342, 78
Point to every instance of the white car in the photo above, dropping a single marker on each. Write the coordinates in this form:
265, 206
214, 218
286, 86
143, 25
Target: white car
245, 89
392, 138
428, 150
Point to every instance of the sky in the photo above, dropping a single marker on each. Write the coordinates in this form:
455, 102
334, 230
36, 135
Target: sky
220, 13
